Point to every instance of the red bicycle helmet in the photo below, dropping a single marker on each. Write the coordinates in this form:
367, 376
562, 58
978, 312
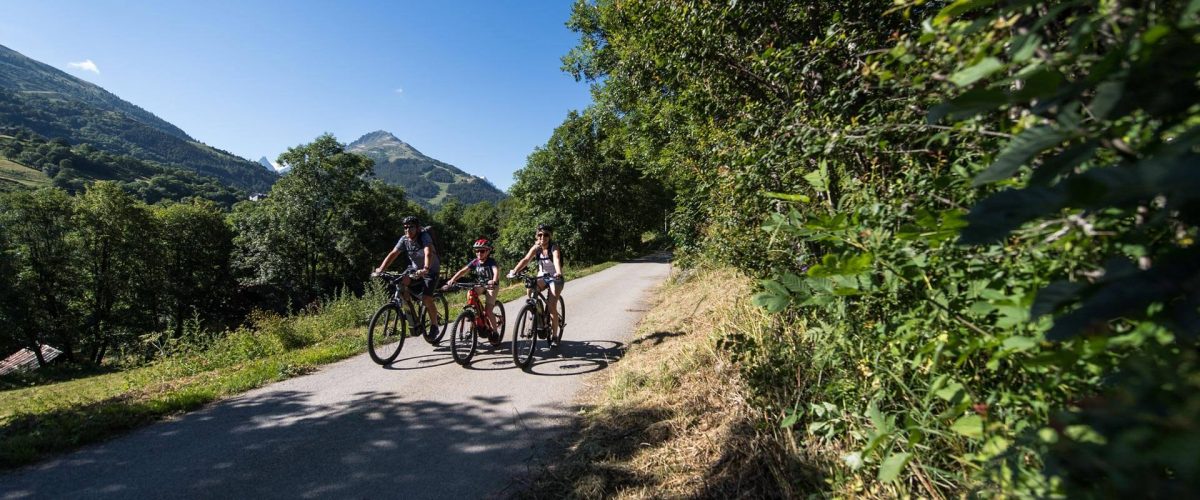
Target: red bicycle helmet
482, 243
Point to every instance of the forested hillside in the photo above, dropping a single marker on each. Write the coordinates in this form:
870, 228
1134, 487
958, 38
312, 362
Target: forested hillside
54, 162
57, 105
974, 224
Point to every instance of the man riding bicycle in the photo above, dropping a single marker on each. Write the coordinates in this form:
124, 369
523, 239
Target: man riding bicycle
417, 246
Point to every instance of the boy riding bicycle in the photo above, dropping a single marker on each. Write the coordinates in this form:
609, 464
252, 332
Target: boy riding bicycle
486, 270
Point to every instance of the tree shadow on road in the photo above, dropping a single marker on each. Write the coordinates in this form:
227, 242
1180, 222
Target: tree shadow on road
288, 444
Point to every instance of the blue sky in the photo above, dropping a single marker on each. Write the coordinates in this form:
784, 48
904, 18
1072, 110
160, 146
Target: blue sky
473, 83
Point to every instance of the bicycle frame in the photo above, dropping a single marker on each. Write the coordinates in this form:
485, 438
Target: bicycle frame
401, 294
476, 305
536, 297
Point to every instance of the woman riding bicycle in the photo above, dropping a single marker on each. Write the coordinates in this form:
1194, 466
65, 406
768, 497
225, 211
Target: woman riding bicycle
549, 263
486, 270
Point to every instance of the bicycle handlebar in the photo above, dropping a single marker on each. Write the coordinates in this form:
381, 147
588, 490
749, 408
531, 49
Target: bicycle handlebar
393, 276
467, 286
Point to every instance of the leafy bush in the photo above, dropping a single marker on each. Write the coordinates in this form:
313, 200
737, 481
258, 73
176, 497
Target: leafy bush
978, 225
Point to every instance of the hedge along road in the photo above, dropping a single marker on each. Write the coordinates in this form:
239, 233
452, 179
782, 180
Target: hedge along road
423, 427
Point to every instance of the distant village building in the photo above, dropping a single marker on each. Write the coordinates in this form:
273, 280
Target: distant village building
258, 196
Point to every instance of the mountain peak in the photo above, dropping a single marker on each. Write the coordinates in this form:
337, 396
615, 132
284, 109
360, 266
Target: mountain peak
425, 180
386, 145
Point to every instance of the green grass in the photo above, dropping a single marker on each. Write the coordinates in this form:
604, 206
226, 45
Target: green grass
43, 414
14, 174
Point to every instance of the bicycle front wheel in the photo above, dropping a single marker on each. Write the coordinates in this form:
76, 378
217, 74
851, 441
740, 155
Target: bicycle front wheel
462, 338
385, 335
525, 336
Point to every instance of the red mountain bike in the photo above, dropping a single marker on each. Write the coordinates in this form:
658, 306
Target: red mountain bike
472, 323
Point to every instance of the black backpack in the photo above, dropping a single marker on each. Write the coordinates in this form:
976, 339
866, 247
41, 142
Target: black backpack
433, 236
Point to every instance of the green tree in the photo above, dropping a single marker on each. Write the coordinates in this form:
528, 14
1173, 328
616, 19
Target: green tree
317, 228
455, 238
116, 237
37, 224
482, 220
195, 246
582, 183
14, 305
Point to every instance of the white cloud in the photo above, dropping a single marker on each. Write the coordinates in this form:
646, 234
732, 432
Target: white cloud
86, 65
399, 90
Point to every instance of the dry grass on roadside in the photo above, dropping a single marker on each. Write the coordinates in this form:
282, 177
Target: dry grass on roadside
668, 420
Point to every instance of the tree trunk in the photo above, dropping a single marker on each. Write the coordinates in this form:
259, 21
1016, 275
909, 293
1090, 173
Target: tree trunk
37, 350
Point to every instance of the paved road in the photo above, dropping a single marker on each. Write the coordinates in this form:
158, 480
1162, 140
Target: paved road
421, 428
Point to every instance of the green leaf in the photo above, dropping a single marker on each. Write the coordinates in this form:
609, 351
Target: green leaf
818, 178
970, 426
1062, 162
979, 71
876, 417
1039, 84
774, 298
1155, 33
793, 282
951, 392
1021, 149
1108, 95
968, 104
790, 420
795, 198
1023, 47
994, 217
958, 8
1053, 296
892, 465
1020, 343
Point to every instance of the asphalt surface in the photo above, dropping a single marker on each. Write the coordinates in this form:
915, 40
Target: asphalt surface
423, 427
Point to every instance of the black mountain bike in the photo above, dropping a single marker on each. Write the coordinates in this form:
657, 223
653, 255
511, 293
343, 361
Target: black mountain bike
534, 322
404, 311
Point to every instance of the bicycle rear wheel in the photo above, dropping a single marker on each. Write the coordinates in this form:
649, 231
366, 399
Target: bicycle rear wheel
385, 335
525, 336
562, 322
443, 309
501, 320
463, 339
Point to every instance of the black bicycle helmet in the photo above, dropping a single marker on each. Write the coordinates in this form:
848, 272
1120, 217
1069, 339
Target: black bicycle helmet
412, 220
545, 227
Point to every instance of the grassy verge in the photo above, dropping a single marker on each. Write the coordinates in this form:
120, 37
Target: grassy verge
43, 414
670, 420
